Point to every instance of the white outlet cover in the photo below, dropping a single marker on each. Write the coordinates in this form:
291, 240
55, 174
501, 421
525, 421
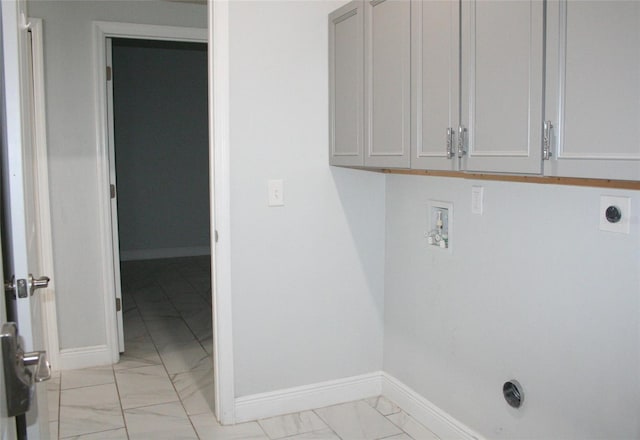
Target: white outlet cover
477, 199
624, 204
276, 192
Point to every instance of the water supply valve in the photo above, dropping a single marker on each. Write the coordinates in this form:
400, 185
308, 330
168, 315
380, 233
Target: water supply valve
438, 233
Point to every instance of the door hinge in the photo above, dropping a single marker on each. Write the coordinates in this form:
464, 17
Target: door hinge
215, 234
546, 141
112, 190
461, 133
108, 73
118, 304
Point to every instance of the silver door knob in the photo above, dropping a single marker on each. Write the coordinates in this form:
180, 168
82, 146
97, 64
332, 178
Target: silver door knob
19, 379
38, 359
37, 283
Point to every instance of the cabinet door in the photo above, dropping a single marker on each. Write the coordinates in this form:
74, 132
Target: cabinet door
387, 83
502, 81
593, 88
435, 64
346, 88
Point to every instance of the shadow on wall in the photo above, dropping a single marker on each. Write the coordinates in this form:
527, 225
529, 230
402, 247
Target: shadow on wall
362, 197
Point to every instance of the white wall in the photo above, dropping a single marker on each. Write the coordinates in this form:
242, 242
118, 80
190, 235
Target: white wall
307, 278
532, 291
162, 148
72, 141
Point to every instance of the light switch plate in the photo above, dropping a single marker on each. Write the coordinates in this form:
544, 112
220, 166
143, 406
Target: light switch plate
276, 192
477, 199
624, 205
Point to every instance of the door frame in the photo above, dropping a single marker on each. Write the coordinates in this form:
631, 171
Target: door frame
224, 397
220, 193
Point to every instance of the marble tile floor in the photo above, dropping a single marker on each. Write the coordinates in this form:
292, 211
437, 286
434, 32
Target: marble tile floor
162, 388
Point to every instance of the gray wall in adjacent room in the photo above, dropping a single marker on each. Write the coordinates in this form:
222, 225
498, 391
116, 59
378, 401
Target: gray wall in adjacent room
161, 138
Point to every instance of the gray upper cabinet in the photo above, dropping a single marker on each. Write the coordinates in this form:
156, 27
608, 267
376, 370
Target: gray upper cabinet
346, 85
593, 89
369, 84
435, 64
502, 85
477, 85
468, 85
387, 83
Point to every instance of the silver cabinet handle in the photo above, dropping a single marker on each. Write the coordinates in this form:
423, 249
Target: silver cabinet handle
546, 147
450, 153
461, 133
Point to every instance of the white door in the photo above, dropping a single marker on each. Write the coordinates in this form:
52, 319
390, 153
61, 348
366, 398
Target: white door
7, 424
22, 244
115, 240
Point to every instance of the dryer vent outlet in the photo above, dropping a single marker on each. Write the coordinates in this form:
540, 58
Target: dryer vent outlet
513, 393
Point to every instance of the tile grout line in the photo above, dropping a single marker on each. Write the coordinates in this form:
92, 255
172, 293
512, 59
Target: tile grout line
144, 323
173, 385
124, 420
163, 364
59, 404
197, 291
326, 423
391, 421
90, 433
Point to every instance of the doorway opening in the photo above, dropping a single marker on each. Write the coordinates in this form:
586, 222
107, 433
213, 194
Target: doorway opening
159, 172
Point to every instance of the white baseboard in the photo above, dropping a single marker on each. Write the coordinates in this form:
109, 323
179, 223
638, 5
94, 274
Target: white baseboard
154, 254
291, 400
425, 412
84, 357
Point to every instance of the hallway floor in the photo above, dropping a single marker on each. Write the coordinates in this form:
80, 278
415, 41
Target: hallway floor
162, 388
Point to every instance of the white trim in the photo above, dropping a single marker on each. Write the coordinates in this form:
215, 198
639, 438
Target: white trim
153, 254
101, 31
48, 299
150, 32
83, 357
438, 421
308, 397
303, 398
219, 166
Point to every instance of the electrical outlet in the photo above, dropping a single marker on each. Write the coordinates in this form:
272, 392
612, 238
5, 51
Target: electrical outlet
615, 214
